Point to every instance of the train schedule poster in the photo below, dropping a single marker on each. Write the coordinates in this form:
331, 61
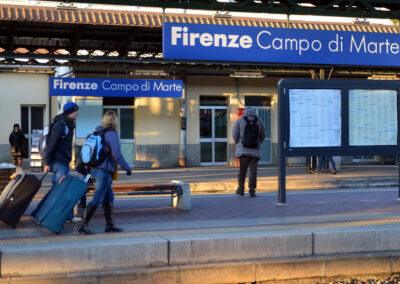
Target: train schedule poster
372, 117
315, 117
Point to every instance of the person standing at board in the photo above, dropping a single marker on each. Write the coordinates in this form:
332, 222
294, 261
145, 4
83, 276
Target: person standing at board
248, 134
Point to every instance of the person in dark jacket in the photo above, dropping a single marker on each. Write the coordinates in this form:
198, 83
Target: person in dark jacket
249, 157
17, 142
58, 154
103, 176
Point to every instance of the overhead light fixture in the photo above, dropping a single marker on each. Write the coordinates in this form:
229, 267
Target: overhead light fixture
307, 5
384, 9
41, 70
253, 75
140, 72
384, 77
66, 6
361, 22
223, 15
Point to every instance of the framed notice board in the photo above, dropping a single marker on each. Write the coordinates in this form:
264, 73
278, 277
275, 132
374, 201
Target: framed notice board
336, 118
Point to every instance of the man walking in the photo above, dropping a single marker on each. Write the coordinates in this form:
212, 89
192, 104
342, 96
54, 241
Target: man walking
248, 134
58, 153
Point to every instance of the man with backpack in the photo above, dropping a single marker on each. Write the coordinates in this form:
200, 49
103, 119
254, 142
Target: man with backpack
58, 146
248, 134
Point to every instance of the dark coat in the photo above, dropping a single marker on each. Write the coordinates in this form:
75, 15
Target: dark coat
238, 132
59, 145
17, 142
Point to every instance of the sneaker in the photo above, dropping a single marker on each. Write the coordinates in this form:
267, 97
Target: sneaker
252, 193
239, 192
334, 172
318, 172
75, 219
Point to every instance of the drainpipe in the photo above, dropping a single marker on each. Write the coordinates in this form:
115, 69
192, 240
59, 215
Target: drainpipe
183, 140
322, 74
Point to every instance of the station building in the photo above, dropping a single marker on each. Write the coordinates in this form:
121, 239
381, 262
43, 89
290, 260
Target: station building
151, 128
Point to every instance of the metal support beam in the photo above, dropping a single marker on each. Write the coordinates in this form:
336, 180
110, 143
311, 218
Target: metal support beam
127, 43
10, 38
76, 39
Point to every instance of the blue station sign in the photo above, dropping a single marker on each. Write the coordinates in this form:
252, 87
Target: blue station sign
96, 87
279, 45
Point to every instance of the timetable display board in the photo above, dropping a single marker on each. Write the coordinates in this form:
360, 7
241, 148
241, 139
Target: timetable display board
315, 117
336, 118
373, 117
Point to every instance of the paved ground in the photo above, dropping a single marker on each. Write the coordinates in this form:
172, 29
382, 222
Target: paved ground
224, 179
213, 213
305, 210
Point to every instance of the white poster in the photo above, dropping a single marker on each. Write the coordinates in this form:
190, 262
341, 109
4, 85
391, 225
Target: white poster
315, 117
372, 117
90, 115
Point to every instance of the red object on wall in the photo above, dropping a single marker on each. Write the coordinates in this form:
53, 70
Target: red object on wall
240, 113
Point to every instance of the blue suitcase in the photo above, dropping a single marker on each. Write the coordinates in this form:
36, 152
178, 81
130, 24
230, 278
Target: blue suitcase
52, 212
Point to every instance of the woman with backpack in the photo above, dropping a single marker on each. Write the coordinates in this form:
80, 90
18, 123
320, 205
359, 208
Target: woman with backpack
103, 173
17, 142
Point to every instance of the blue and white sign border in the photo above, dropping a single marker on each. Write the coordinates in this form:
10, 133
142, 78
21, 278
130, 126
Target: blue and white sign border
279, 45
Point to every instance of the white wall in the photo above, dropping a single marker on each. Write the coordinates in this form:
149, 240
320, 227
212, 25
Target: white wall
20, 89
157, 121
214, 86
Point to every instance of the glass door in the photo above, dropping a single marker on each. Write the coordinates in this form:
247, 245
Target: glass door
32, 120
213, 135
264, 113
126, 130
262, 105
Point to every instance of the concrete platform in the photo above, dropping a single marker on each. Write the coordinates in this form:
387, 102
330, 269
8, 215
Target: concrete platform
318, 235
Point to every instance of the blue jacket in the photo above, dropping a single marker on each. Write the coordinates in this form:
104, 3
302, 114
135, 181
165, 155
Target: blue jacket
115, 157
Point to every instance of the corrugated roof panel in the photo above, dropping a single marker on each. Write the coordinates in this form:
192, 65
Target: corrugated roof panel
102, 17
131, 19
110, 18
123, 18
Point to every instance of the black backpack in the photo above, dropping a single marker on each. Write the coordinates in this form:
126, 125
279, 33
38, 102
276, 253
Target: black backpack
251, 133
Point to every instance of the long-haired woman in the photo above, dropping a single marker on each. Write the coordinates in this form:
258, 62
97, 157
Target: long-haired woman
103, 175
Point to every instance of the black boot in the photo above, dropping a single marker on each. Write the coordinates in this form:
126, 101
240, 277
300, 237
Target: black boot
83, 227
110, 227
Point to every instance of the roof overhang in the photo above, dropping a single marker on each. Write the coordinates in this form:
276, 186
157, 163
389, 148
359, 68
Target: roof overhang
386, 9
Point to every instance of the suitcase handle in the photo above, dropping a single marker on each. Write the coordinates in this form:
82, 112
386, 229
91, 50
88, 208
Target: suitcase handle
87, 178
45, 174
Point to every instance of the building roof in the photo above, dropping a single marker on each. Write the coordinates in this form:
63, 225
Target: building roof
40, 14
387, 9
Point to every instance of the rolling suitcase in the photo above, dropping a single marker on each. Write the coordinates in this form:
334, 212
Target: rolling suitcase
17, 196
52, 212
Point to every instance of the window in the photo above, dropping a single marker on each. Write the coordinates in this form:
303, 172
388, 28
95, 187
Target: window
257, 101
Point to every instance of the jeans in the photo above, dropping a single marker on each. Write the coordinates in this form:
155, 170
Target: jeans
103, 191
252, 164
59, 171
321, 160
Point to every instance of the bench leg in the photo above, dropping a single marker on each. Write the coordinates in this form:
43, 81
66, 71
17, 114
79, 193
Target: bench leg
182, 201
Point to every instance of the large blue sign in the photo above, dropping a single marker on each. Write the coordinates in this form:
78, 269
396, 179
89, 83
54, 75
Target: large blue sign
96, 87
277, 45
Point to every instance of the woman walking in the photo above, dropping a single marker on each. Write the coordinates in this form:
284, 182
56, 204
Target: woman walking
103, 175
17, 142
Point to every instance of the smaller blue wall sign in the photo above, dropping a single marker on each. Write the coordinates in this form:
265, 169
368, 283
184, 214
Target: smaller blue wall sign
97, 87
